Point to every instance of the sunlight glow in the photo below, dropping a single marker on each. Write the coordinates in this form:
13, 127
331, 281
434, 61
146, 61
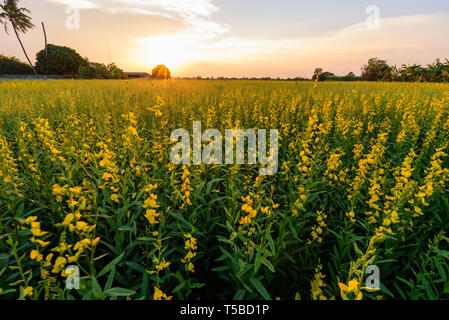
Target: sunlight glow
170, 50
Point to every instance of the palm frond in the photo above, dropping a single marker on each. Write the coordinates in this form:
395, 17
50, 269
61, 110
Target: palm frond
19, 17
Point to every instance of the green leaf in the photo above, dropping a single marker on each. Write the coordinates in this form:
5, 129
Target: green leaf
110, 265
271, 244
119, 292
149, 239
7, 291
145, 284
430, 293
260, 288
239, 295
110, 280
359, 252
267, 264
96, 289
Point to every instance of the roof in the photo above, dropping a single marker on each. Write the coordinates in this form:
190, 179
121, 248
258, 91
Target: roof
138, 74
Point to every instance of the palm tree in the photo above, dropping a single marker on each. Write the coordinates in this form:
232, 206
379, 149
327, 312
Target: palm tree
19, 19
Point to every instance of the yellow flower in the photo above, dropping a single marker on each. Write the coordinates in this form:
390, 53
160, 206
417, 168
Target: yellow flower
245, 220
81, 226
151, 187
159, 295
72, 203
59, 264
150, 203
352, 287
76, 190
95, 241
189, 256
247, 199
190, 242
133, 131
36, 229
42, 243
107, 176
28, 291
58, 190
31, 219
48, 260
114, 197
151, 216
161, 266
73, 259
68, 219
35, 255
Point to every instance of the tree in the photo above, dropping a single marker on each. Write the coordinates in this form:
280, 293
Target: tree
438, 71
320, 75
375, 70
19, 19
326, 75
161, 72
60, 61
115, 72
101, 71
317, 73
13, 66
414, 73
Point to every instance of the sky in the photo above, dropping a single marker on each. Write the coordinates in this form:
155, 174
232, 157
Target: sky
240, 38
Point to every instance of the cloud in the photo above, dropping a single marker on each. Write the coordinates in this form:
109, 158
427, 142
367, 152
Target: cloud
81, 4
201, 8
118, 10
196, 14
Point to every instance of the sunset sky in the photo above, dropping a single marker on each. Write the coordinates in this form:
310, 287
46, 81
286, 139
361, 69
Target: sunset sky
277, 38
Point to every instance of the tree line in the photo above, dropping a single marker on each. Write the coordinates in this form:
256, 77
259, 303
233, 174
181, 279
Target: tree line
378, 70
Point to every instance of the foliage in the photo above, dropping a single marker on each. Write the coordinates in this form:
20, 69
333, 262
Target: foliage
161, 72
12, 65
349, 77
101, 71
375, 70
18, 17
319, 75
86, 180
435, 72
59, 60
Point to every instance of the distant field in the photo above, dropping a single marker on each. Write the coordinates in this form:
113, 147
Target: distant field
86, 180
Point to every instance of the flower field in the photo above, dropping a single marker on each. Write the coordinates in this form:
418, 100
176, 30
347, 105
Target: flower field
86, 180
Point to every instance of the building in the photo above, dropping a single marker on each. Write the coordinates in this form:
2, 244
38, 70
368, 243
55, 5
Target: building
138, 75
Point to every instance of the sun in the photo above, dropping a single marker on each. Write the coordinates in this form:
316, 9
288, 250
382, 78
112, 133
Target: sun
170, 50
